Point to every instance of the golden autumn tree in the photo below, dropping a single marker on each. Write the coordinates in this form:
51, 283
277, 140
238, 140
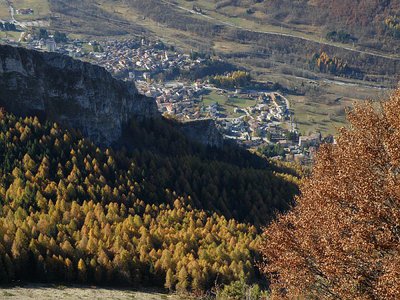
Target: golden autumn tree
342, 238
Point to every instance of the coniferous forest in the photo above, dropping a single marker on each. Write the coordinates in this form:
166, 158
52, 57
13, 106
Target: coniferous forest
72, 212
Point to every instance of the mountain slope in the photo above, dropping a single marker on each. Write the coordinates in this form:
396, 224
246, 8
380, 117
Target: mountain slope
364, 19
72, 212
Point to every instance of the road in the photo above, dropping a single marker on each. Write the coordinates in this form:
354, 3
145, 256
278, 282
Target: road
339, 81
387, 56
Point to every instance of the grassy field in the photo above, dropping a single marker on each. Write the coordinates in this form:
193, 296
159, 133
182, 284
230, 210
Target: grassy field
213, 97
4, 13
228, 104
80, 292
41, 9
13, 35
241, 102
326, 112
313, 116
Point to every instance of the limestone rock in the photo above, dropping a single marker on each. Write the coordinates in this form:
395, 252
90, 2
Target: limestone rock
74, 93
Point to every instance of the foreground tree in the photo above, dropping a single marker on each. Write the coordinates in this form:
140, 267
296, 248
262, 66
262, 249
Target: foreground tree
342, 239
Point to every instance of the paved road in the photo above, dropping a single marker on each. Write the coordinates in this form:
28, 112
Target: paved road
387, 56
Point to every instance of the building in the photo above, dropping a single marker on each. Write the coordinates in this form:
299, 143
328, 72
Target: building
132, 75
24, 11
311, 140
51, 45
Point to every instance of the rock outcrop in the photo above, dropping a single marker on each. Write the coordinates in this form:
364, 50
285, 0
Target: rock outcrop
202, 131
74, 93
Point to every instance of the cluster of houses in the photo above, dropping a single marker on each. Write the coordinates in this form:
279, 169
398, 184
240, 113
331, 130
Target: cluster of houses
127, 59
261, 120
73, 48
175, 98
300, 149
269, 122
47, 44
139, 60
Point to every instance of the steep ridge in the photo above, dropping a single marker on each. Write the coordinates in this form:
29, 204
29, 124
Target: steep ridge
74, 93
82, 96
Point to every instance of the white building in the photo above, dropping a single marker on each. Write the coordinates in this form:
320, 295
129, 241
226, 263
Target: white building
51, 45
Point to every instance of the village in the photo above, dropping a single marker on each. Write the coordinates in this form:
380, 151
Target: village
256, 119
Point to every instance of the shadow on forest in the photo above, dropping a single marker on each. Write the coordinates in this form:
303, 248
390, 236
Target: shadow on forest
229, 180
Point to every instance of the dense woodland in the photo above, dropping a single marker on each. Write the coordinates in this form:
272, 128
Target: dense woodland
72, 212
342, 239
230, 181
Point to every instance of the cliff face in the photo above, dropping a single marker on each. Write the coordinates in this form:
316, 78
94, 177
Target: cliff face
71, 92
202, 131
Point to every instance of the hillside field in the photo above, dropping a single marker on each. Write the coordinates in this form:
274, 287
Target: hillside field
80, 292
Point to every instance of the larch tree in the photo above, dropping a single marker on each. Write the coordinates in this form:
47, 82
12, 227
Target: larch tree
342, 238
169, 280
82, 271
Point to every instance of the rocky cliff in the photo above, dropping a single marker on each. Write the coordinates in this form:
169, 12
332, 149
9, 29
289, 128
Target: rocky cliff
71, 92
202, 131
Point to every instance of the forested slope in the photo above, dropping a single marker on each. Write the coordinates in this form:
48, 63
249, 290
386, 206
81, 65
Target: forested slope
230, 181
70, 211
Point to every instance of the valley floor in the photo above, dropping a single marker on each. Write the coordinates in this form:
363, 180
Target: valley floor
45, 292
